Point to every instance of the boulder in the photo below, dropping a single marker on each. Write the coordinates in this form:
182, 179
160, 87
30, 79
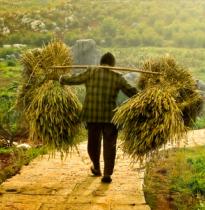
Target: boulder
85, 52
200, 85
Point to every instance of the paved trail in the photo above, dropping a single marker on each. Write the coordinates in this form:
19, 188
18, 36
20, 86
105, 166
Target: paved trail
52, 184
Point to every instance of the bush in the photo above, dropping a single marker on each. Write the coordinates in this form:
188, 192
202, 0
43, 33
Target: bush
176, 179
11, 63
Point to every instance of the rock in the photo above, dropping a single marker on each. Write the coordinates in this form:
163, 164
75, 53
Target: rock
5, 30
200, 85
132, 77
37, 25
85, 52
4, 143
19, 45
23, 146
6, 46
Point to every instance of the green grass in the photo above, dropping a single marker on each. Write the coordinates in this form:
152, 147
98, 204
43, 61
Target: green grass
200, 123
176, 179
27, 5
17, 158
9, 74
4, 150
192, 59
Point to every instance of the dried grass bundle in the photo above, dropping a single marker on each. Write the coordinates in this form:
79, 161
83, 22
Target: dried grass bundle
184, 91
161, 112
52, 110
149, 120
54, 116
54, 54
30, 60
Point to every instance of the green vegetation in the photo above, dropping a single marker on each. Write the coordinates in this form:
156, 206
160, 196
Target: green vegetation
12, 159
176, 180
8, 116
127, 23
193, 59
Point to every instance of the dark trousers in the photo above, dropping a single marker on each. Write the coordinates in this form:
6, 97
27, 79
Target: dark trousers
109, 133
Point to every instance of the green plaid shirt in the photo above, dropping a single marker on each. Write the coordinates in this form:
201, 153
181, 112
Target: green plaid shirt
102, 87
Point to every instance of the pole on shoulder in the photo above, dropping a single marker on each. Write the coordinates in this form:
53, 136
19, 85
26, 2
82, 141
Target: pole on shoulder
106, 67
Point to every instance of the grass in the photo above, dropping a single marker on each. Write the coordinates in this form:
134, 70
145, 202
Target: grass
176, 180
193, 59
200, 123
9, 73
4, 150
28, 5
15, 158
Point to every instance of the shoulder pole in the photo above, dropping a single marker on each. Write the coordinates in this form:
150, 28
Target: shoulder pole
105, 67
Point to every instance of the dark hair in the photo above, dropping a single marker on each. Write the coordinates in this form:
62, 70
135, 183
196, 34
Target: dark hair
108, 58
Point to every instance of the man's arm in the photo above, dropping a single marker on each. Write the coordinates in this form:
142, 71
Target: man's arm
126, 88
75, 79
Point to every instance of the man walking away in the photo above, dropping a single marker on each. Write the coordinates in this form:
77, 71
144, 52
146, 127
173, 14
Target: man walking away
102, 87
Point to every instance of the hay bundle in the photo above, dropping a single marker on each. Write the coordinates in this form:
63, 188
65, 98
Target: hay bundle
149, 120
56, 53
161, 112
54, 116
183, 85
52, 110
30, 62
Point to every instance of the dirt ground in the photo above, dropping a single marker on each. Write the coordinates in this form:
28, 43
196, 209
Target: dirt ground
53, 184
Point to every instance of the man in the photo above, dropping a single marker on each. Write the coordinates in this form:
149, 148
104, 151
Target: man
102, 87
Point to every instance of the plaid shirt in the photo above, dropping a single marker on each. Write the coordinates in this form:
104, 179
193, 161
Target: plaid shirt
102, 87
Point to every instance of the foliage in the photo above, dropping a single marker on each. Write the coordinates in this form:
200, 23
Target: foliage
192, 59
149, 120
176, 179
200, 122
16, 158
9, 117
116, 23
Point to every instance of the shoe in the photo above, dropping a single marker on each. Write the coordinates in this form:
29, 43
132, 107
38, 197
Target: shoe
106, 179
95, 172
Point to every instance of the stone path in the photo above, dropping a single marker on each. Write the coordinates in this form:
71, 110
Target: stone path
52, 184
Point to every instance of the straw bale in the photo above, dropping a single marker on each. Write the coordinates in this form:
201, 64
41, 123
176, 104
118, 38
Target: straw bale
184, 89
166, 107
54, 116
52, 110
149, 120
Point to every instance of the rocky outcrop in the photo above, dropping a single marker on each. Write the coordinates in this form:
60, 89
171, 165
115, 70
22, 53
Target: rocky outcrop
85, 52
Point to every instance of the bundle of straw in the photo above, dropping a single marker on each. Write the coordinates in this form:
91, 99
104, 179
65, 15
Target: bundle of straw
54, 116
52, 110
149, 120
184, 91
54, 54
160, 113
30, 61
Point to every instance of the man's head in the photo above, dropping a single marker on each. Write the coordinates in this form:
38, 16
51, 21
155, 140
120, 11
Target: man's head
107, 59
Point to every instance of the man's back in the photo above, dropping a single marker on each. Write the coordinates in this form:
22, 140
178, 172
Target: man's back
102, 87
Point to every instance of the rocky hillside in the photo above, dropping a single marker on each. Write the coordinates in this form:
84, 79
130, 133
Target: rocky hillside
176, 23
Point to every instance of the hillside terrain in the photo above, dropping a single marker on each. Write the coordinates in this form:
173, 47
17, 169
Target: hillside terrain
176, 23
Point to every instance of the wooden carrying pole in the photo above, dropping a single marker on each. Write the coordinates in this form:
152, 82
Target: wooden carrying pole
107, 67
